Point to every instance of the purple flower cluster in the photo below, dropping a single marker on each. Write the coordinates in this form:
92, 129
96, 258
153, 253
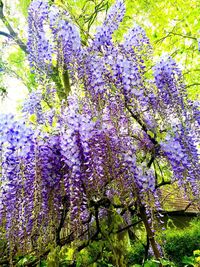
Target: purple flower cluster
39, 47
51, 37
115, 15
32, 105
70, 39
31, 180
135, 39
95, 83
168, 79
14, 136
109, 143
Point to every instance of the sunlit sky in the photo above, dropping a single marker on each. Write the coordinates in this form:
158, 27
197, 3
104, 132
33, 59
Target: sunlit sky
16, 89
16, 93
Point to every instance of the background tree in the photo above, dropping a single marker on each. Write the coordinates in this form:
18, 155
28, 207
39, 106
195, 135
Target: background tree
105, 127
171, 26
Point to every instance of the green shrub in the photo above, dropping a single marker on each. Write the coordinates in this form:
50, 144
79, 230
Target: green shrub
136, 255
179, 243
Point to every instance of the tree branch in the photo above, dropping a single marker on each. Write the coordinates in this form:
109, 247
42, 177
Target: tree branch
163, 183
193, 84
139, 121
12, 34
189, 204
66, 205
5, 34
149, 231
144, 128
127, 227
184, 36
154, 154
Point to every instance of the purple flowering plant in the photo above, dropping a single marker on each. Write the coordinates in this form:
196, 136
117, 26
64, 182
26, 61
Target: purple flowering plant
116, 132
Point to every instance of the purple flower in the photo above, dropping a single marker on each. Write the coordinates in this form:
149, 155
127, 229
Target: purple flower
39, 47
104, 33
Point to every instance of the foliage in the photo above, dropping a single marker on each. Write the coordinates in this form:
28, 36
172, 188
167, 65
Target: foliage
136, 254
104, 127
155, 263
180, 243
22, 261
60, 256
23, 6
193, 260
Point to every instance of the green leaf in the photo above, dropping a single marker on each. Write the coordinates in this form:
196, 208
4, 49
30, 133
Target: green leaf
196, 252
33, 118
23, 6
42, 264
165, 262
151, 263
189, 260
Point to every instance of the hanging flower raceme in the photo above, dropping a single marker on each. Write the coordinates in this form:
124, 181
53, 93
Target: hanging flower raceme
103, 36
183, 157
39, 47
137, 47
16, 143
132, 85
95, 84
66, 38
72, 153
168, 79
70, 39
32, 105
136, 40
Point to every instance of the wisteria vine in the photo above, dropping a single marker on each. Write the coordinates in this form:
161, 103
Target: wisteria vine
108, 144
